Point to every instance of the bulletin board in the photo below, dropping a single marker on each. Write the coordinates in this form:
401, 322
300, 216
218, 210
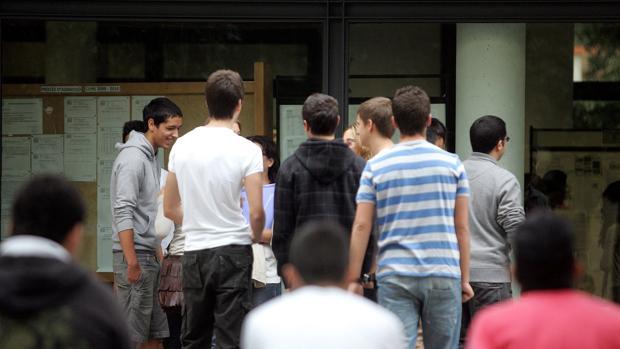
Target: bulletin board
72, 129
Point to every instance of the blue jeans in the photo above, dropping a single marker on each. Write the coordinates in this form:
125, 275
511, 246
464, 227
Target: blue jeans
436, 300
261, 295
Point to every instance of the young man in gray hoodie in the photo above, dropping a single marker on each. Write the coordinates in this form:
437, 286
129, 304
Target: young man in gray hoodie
133, 194
495, 213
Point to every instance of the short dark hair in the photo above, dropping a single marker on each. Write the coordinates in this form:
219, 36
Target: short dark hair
379, 110
223, 91
271, 152
554, 180
485, 132
435, 131
320, 111
612, 192
554, 186
544, 252
330, 252
133, 125
47, 206
160, 109
411, 107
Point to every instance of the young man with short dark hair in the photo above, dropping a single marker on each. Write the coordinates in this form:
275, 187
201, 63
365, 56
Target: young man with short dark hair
436, 133
319, 313
549, 313
134, 187
47, 300
419, 195
319, 180
208, 168
494, 216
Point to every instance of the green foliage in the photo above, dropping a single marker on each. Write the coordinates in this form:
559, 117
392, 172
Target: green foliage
596, 114
602, 43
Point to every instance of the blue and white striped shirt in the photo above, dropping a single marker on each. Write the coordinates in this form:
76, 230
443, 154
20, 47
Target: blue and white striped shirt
414, 187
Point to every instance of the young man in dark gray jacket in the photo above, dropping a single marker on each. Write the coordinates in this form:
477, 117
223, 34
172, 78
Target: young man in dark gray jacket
134, 187
495, 213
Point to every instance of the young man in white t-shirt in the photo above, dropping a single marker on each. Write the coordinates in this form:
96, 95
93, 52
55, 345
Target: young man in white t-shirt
208, 167
319, 313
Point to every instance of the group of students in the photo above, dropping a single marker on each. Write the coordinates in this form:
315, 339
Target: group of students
413, 229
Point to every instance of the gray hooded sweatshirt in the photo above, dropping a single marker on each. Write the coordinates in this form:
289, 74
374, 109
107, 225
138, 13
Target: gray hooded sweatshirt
134, 187
495, 212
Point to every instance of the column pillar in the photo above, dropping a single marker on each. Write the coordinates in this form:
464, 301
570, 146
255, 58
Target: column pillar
490, 79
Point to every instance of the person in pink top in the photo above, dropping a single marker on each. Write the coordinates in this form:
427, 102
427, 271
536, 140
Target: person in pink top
549, 314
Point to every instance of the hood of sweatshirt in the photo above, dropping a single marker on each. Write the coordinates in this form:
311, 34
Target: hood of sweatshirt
325, 160
32, 284
138, 140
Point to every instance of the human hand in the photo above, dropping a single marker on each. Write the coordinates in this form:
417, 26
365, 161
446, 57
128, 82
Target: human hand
467, 292
356, 288
133, 273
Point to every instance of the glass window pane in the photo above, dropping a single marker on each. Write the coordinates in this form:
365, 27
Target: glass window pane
69, 86
410, 48
575, 149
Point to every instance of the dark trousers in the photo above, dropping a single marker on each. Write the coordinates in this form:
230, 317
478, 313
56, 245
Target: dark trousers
174, 325
485, 294
217, 286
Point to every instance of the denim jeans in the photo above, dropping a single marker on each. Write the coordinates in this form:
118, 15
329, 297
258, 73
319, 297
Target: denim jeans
261, 295
485, 294
217, 286
436, 300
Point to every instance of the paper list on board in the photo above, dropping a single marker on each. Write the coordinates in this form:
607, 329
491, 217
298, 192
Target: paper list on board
80, 159
22, 116
15, 158
291, 128
107, 138
112, 112
9, 189
80, 114
47, 154
104, 248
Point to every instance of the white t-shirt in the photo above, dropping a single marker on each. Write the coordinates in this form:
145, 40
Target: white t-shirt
210, 164
322, 317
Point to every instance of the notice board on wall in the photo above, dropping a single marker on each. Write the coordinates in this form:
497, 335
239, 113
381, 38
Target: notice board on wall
73, 129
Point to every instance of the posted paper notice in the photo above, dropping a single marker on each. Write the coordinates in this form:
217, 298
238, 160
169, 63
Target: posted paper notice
113, 111
15, 158
80, 157
80, 114
22, 116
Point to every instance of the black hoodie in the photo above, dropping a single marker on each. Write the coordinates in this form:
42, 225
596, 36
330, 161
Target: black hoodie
318, 182
47, 303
